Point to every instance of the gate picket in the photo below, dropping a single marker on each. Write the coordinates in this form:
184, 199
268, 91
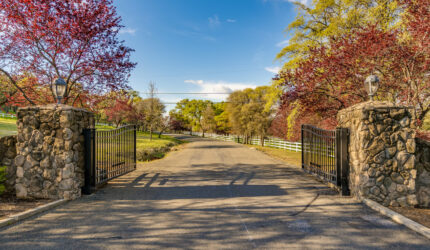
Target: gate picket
108, 154
325, 154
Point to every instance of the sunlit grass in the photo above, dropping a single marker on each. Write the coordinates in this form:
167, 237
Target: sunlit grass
104, 127
153, 149
289, 157
143, 140
7, 126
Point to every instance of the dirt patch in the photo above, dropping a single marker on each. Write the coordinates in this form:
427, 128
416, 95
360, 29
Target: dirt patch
419, 215
10, 205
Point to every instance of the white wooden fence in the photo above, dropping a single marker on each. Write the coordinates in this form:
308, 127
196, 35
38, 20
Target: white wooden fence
272, 142
4, 115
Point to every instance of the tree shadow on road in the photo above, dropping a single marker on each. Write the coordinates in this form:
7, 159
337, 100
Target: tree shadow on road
237, 206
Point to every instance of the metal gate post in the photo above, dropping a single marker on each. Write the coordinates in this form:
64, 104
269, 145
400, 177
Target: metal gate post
90, 175
303, 147
342, 136
135, 137
338, 157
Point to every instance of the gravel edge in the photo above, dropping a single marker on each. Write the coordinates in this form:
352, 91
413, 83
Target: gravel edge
12, 219
400, 219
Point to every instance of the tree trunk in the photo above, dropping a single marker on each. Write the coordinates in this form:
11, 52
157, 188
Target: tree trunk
150, 133
262, 140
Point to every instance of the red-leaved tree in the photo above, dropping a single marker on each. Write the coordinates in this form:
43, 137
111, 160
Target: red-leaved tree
120, 108
332, 77
73, 39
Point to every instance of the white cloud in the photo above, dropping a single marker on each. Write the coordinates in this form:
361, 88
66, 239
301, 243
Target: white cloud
283, 43
127, 31
274, 70
231, 20
305, 2
214, 21
219, 87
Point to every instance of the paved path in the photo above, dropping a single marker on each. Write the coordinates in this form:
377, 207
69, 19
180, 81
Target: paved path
212, 195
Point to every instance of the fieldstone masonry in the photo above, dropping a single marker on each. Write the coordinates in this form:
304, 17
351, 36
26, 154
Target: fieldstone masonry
7, 156
423, 172
50, 151
383, 154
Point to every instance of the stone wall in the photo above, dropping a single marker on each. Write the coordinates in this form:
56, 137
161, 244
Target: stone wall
381, 152
423, 172
50, 151
7, 156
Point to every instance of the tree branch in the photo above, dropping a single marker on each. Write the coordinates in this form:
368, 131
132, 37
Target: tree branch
16, 86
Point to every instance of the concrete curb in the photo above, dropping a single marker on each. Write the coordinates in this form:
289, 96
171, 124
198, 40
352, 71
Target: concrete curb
21, 216
398, 218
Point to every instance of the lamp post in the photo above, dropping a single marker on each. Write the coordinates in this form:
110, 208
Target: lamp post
59, 89
371, 84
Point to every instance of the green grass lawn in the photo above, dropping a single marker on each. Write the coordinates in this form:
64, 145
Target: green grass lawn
7, 126
104, 127
290, 157
143, 140
155, 148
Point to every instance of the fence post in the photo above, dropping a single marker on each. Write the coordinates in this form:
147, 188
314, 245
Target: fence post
342, 163
338, 157
90, 182
135, 142
302, 146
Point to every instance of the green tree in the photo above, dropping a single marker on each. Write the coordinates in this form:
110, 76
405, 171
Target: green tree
221, 118
190, 113
162, 125
208, 122
248, 113
178, 114
152, 110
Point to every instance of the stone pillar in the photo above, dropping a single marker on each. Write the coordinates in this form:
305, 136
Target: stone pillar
423, 172
381, 152
50, 151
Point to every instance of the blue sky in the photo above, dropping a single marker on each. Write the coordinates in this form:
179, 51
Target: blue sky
203, 45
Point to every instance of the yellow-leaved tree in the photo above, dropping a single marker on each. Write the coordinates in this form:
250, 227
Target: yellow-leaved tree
315, 26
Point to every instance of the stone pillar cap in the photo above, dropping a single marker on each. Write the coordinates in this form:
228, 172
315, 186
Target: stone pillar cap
369, 105
53, 106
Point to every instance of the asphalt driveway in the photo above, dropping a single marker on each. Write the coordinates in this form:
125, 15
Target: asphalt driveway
212, 195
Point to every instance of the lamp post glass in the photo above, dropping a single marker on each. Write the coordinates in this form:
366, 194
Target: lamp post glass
59, 89
371, 84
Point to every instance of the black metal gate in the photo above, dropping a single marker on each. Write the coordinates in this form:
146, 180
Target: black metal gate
108, 154
325, 154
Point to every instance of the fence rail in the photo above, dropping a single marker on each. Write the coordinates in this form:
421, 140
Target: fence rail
108, 154
4, 115
272, 142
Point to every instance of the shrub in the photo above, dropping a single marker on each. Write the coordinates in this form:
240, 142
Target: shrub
148, 154
2, 179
